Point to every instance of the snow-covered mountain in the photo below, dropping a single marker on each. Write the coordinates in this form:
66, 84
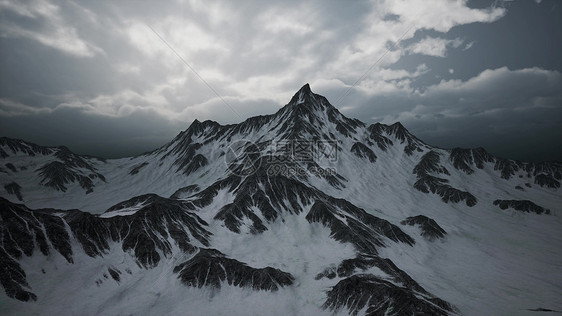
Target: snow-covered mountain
301, 212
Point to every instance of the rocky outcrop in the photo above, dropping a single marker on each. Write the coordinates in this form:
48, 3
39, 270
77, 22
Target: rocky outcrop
15, 189
146, 234
211, 268
362, 151
430, 163
521, 205
429, 228
377, 296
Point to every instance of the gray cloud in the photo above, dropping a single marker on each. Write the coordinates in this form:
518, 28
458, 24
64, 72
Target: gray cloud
101, 62
501, 109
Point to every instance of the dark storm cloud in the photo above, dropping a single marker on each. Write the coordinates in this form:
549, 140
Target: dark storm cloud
512, 113
74, 73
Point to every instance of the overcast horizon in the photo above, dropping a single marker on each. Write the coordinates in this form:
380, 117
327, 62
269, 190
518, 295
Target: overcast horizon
107, 78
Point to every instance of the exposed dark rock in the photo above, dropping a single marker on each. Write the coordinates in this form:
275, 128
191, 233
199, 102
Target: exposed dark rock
209, 267
146, 233
56, 175
381, 297
195, 164
439, 186
520, 188
269, 199
274, 195
17, 145
540, 309
185, 191
11, 167
375, 134
15, 189
547, 180
115, 274
362, 151
22, 230
430, 163
399, 132
351, 224
72, 160
329, 273
363, 262
427, 183
521, 205
137, 168
507, 167
481, 156
68, 169
13, 279
462, 159
546, 173
429, 228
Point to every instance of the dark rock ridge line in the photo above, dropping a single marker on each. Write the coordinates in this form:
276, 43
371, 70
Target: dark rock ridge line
185, 191
361, 263
378, 133
145, 234
429, 228
15, 189
521, 205
382, 297
362, 151
307, 116
399, 288
210, 267
66, 167
546, 174
430, 162
17, 145
138, 168
278, 196
11, 167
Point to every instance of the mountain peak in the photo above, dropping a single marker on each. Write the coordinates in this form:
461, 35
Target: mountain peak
305, 89
304, 94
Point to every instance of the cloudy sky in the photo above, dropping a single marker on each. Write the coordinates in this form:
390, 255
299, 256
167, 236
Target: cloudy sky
103, 77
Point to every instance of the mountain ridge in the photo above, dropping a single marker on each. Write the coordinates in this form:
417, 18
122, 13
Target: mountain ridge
353, 217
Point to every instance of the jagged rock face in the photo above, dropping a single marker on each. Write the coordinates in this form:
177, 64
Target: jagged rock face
185, 191
426, 183
429, 228
546, 174
146, 234
209, 267
138, 168
440, 187
521, 205
16, 145
15, 189
381, 297
351, 224
380, 133
362, 151
430, 163
65, 167
547, 180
